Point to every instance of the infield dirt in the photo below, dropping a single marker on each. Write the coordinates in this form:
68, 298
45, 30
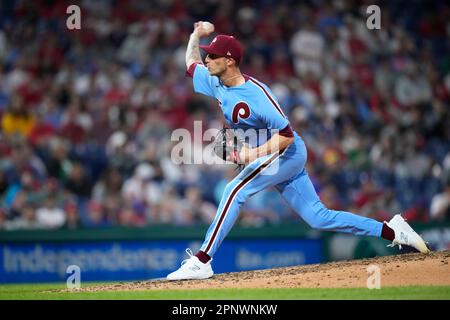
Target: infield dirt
398, 270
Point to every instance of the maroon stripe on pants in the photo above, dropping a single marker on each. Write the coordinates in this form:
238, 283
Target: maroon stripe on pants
231, 196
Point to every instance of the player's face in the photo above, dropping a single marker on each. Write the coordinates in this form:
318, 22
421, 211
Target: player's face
216, 65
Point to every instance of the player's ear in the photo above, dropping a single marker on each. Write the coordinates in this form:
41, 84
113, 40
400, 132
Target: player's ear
231, 62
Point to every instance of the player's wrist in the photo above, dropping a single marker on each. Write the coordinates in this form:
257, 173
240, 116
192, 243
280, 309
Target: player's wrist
254, 154
248, 154
194, 37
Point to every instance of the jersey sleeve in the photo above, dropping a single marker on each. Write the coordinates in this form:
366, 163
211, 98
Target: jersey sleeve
203, 82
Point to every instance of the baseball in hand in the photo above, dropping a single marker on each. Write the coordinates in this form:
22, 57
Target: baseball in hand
208, 26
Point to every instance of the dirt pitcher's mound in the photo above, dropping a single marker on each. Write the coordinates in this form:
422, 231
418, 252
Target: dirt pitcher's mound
399, 270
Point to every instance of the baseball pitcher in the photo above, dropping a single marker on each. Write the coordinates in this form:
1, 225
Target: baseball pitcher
275, 159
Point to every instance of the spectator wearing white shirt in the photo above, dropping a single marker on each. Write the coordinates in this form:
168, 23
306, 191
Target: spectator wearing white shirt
50, 216
307, 46
412, 88
440, 204
139, 188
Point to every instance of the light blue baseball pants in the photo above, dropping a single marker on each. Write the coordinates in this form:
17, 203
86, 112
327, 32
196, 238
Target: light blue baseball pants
286, 172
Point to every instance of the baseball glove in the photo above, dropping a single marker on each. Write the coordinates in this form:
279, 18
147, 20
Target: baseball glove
227, 146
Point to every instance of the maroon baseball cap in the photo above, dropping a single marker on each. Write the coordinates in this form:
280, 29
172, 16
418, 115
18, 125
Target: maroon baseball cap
225, 46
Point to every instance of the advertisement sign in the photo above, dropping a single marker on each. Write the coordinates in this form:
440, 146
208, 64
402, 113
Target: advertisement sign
143, 260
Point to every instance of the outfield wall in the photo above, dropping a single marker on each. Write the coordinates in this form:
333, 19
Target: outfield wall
148, 253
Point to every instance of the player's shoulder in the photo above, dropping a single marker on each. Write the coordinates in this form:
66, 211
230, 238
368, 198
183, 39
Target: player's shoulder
260, 89
258, 85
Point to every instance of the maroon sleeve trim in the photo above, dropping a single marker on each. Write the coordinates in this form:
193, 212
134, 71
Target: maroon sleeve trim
287, 132
191, 69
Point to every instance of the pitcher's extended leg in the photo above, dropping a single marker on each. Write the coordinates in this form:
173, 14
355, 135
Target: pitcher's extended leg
299, 192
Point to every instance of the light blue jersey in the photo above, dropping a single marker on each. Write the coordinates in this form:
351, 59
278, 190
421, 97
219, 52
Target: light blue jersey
253, 106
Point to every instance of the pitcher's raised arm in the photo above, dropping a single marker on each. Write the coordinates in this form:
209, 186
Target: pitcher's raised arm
201, 29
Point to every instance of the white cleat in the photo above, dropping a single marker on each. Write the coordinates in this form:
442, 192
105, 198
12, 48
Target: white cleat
405, 235
192, 269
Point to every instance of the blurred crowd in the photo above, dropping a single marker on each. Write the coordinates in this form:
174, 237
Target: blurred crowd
87, 115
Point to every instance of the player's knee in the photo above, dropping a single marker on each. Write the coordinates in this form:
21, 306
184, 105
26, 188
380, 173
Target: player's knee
316, 224
232, 191
229, 188
241, 196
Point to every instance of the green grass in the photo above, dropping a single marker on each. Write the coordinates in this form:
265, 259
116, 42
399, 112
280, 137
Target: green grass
37, 292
